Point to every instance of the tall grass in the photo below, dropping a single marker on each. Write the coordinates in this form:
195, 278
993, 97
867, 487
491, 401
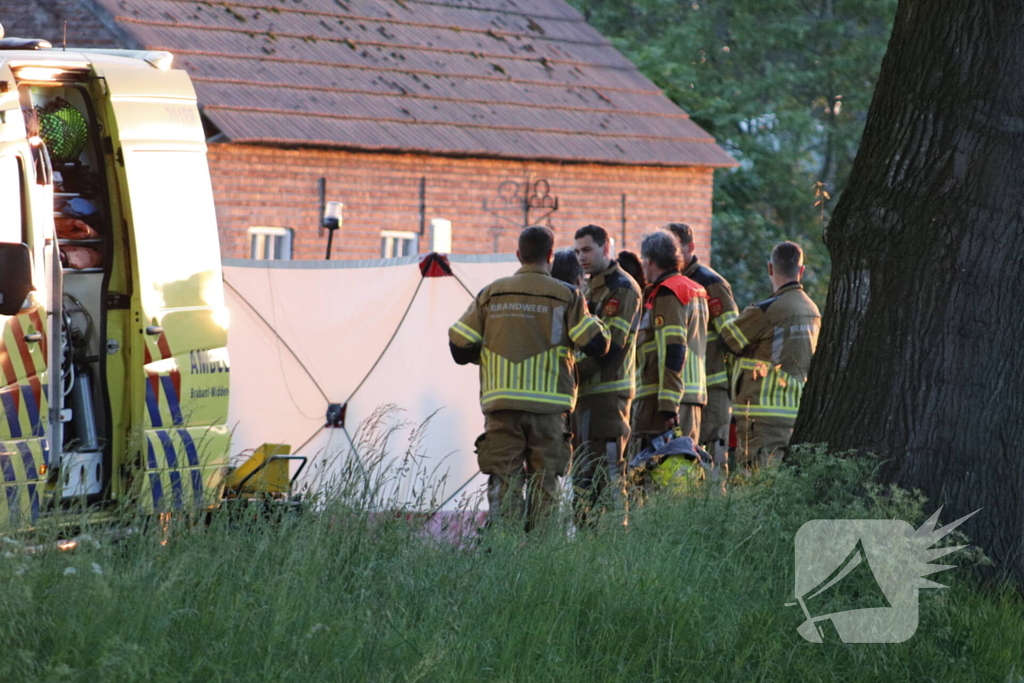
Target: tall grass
692, 589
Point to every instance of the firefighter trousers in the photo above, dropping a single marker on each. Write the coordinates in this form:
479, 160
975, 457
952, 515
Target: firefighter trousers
523, 454
714, 426
690, 420
598, 479
599, 466
761, 441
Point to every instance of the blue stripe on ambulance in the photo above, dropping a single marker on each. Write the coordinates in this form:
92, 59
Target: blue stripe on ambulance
172, 465
7, 467
154, 477
11, 412
193, 461
153, 405
29, 397
31, 475
172, 399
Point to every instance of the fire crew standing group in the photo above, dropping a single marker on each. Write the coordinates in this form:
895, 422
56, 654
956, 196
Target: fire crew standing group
672, 357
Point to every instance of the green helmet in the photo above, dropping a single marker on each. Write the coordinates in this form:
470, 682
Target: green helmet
63, 129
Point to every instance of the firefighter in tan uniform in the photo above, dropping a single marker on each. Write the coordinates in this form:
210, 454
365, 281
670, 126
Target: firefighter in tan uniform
607, 383
774, 340
523, 331
717, 415
670, 344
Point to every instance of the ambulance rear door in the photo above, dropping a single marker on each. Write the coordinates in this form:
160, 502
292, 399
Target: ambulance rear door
176, 337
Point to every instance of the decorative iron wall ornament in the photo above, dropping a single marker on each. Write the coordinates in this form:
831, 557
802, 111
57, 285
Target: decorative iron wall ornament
524, 203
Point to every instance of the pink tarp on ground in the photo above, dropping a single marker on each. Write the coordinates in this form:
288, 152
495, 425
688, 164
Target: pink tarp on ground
367, 334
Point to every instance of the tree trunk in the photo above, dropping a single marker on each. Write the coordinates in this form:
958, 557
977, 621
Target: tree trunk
921, 359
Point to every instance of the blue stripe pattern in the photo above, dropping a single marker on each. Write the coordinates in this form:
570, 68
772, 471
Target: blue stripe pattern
31, 475
193, 461
154, 477
29, 397
172, 399
153, 406
172, 464
11, 412
7, 467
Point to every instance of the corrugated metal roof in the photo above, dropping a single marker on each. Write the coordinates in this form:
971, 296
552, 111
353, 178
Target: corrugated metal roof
524, 79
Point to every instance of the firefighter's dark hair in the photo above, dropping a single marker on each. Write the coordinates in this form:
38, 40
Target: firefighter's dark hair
630, 262
682, 231
566, 267
535, 243
787, 257
599, 234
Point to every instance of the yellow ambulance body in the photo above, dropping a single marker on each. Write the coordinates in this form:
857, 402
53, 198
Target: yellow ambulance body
114, 373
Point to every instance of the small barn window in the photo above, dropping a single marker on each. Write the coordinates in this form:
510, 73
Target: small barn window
270, 244
393, 243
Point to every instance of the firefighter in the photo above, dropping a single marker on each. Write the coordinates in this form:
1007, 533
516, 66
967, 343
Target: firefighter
607, 383
522, 331
566, 267
630, 262
670, 344
774, 341
717, 414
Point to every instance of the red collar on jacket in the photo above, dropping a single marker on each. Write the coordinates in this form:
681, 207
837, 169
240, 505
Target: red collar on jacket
683, 287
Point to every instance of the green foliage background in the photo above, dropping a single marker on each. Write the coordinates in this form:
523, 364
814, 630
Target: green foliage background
785, 87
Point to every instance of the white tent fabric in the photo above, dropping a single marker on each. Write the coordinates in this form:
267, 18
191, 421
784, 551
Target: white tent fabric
368, 334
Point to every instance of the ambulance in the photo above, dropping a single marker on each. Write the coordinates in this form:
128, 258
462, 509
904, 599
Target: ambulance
114, 374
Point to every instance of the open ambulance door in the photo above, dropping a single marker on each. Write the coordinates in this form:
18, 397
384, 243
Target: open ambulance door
175, 333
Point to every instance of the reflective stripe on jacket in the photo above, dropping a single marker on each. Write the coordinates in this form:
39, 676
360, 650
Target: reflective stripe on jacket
721, 309
775, 340
674, 322
615, 298
526, 327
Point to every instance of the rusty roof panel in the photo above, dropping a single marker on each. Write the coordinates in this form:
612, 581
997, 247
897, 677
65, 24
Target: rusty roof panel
524, 79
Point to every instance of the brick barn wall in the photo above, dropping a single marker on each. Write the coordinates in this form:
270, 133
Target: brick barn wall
262, 186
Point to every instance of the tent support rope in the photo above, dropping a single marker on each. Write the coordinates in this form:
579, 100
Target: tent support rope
280, 339
306, 442
451, 497
457, 279
363, 381
388, 345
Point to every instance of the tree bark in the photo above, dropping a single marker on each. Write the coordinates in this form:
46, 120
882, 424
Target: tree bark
920, 360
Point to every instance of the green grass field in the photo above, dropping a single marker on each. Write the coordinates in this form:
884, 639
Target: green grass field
693, 589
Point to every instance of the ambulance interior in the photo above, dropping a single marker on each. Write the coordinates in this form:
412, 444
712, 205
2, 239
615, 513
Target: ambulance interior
73, 137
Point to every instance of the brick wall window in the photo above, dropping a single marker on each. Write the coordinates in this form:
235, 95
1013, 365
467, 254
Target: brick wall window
382, 193
270, 244
395, 243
